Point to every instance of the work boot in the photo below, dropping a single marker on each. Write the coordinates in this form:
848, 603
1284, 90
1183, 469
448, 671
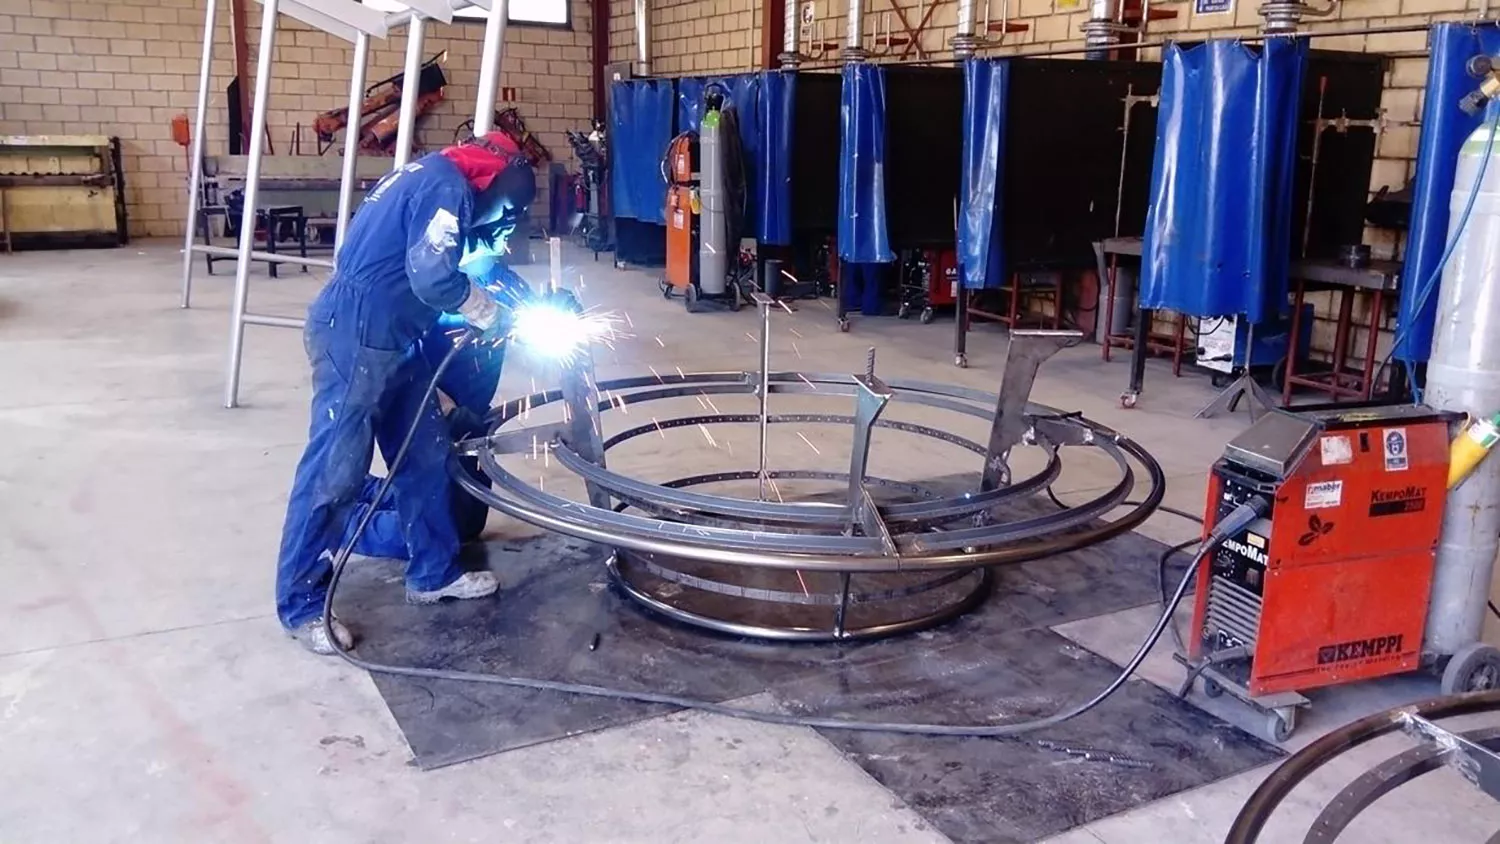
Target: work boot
471, 584
314, 636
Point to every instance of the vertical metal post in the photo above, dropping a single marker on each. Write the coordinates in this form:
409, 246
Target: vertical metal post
554, 261
410, 87
195, 166
252, 195
490, 59
764, 388
351, 139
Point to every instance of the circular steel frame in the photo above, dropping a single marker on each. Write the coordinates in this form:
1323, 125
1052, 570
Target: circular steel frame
666, 529
1375, 783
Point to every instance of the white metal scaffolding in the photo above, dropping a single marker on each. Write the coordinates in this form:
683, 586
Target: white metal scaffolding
351, 21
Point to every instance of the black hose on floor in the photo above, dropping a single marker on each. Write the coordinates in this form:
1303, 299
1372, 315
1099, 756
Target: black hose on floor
815, 722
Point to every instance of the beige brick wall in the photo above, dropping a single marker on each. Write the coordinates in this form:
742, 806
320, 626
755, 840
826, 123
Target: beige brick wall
691, 37
125, 67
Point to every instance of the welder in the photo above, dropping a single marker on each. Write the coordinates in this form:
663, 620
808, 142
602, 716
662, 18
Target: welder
465, 392
402, 264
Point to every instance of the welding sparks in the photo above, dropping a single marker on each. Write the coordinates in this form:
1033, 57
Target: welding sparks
657, 374
659, 342
795, 332
547, 455
628, 321
807, 382
559, 333
803, 582
710, 403
750, 337
707, 435
797, 350
680, 373
771, 482
658, 428
809, 442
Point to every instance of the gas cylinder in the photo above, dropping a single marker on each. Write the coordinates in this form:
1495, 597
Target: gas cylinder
1463, 375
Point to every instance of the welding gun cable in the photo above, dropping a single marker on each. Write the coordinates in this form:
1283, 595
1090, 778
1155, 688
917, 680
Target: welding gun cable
1226, 527
1433, 279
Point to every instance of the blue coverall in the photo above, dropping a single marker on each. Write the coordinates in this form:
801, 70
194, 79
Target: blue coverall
470, 381
397, 270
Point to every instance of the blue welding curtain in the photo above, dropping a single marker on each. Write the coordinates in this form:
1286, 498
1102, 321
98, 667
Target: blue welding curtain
640, 128
981, 188
1444, 128
862, 222
763, 105
771, 192
1218, 231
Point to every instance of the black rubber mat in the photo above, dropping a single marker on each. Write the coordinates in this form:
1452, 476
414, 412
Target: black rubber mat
1139, 745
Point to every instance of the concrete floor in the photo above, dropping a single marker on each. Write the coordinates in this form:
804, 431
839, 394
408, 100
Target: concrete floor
148, 694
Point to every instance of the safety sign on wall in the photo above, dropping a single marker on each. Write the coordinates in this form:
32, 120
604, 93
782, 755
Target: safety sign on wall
1213, 7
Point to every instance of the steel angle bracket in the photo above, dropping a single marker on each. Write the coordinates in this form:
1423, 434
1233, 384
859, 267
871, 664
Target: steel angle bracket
518, 441
1028, 351
344, 19
1473, 761
870, 398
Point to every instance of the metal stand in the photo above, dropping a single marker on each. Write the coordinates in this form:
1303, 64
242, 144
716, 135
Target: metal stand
1245, 385
961, 326
352, 22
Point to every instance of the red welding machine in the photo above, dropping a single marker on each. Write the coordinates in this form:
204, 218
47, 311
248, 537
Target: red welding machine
1332, 585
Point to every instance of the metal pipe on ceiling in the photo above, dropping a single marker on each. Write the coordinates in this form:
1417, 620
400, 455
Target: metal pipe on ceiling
963, 41
791, 25
642, 37
854, 33
1101, 32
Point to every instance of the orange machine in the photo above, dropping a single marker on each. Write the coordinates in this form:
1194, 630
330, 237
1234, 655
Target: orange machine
682, 189
1332, 585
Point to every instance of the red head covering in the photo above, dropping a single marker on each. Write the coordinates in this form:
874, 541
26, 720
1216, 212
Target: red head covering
482, 159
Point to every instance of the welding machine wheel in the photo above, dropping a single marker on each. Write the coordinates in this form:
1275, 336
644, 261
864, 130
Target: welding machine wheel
926, 316
1280, 723
1211, 688
690, 298
1474, 668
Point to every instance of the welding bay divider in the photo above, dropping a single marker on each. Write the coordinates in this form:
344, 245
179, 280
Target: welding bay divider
350, 21
1072, 168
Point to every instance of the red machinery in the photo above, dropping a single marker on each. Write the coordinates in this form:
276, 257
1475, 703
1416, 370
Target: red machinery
682, 246
929, 279
1332, 586
381, 112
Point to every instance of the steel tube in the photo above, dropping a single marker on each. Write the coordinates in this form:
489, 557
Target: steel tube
764, 387
275, 321
642, 38
195, 166
252, 196
964, 43
259, 255
491, 58
355, 119
411, 73
790, 33
854, 34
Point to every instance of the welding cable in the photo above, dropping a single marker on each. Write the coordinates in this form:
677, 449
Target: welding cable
1163, 597
1226, 527
1425, 291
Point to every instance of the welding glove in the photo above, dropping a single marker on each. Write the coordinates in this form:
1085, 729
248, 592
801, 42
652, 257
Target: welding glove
482, 313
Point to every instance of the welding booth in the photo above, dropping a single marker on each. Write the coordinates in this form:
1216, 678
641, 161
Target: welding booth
812, 181
646, 114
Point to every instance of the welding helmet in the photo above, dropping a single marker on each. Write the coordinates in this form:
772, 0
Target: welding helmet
500, 208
